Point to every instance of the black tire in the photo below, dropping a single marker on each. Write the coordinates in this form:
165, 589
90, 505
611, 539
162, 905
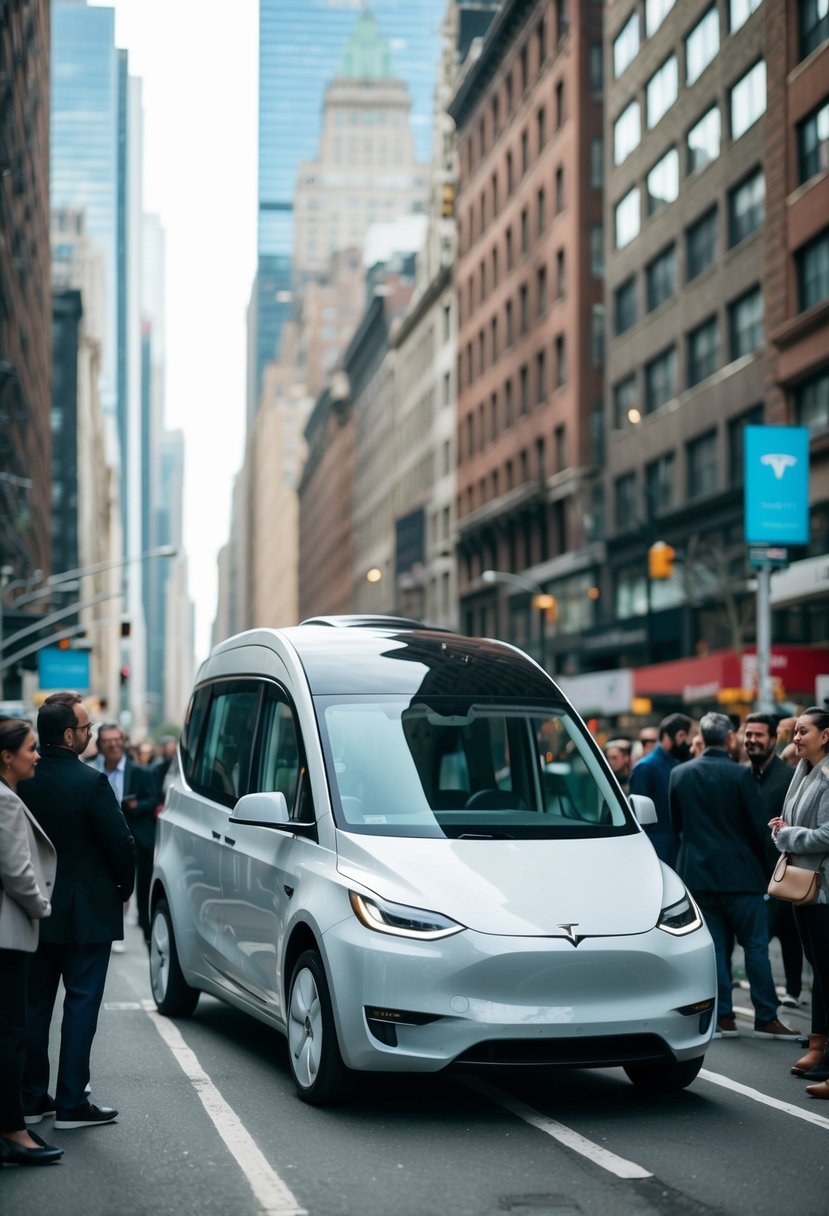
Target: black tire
320, 1076
664, 1078
172, 994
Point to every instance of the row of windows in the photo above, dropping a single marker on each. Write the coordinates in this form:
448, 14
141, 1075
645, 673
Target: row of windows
531, 465
702, 474
530, 387
701, 43
704, 355
525, 70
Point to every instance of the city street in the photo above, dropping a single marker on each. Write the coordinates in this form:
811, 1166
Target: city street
210, 1124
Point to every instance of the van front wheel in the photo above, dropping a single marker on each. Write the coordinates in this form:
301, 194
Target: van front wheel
172, 994
317, 1066
664, 1078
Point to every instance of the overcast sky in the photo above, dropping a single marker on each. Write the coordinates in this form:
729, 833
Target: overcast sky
198, 63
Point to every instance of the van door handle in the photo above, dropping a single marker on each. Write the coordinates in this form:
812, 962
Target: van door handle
229, 840
216, 835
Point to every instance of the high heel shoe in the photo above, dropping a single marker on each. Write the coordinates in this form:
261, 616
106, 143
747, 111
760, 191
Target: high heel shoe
12, 1153
813, 1057
821, 1090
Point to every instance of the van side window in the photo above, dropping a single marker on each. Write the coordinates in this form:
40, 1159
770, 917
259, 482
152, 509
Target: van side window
280, 765
191, 730
223, 762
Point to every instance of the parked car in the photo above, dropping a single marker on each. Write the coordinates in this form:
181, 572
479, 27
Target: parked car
366, 846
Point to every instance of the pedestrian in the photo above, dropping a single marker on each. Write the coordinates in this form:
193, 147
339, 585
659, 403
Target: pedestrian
75, 806
716, 815
697, 746
164, 767
617, 754
136, 789
651, 776
27, 874
648, 739
802, 831
772, 779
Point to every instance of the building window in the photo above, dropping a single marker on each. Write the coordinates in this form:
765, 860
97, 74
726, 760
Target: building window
663, 182
541, 289
625, 502
493, 338
655, 13
494, 185
812, 261
624, 306
510, 174
541, 376
745, 323
627, 218
746, 207
661, 91
596, 69
626, 44
811, 403
660, 278
814, 25
701, 45
523, 309
495, 267
597, 251
702, 465
597, 162
561, 361
510, 255
703, 351
561, 276
560, 114
626, 133
541, 202
704, 140
524, 64
660, 380
559, 190
541, 127
525, 151
701, 244
739, 12
748, 99
508, 323
560, 440
523, 390
660, 478
597, 337
525, 231
625, 402
813, 143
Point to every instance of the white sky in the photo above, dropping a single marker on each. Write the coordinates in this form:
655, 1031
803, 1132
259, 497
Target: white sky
198, 63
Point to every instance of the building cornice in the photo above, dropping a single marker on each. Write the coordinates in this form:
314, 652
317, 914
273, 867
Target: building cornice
499, 38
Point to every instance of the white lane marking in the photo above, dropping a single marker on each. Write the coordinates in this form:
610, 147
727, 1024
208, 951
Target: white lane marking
565, 1135
273, 1196
806, 1115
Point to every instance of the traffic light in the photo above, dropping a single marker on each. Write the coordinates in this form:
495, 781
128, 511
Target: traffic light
447, 203
125, 674
661, 558
126, 629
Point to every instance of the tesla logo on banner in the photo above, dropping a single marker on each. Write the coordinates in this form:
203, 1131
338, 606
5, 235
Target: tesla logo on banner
776, 485
779, 462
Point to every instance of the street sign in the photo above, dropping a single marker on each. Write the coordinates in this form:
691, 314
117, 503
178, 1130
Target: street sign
58, 669
762, 557
777, 485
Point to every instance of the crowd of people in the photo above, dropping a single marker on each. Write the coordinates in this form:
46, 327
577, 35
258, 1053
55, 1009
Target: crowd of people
727, 807
77, 832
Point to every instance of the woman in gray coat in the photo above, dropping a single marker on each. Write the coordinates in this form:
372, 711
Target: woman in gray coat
802, 830
27, 872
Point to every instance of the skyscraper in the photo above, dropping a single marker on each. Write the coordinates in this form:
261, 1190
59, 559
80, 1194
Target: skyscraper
300, 49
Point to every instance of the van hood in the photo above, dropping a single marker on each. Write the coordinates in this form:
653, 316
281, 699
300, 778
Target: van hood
522, 888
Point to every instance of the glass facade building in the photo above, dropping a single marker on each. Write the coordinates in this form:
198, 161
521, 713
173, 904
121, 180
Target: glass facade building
300, 51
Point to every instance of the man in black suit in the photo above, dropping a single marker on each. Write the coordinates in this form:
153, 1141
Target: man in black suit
716, 815
76, 808
136, 789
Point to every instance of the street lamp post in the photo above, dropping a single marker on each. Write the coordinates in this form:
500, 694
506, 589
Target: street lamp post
541, 600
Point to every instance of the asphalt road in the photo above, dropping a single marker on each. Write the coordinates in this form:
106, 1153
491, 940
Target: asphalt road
210, 1125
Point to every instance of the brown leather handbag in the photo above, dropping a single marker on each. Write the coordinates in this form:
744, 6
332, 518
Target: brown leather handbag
794, 884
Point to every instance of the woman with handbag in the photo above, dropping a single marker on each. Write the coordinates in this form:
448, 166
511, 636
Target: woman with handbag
27, 872
802, 832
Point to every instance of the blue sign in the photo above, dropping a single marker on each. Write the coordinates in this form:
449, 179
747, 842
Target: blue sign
777, 485
58, 669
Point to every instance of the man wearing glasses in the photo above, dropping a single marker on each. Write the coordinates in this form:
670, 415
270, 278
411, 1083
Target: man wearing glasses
75, 806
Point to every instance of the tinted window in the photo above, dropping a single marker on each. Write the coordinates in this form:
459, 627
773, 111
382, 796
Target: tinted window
222, 765
280, 761
191, 731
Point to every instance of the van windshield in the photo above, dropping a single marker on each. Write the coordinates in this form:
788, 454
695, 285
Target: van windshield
466, 768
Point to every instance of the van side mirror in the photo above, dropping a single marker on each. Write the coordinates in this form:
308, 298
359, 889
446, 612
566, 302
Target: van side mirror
261, 810
643, 809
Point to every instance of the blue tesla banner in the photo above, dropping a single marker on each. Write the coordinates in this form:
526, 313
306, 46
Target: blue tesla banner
777, 485
63, 669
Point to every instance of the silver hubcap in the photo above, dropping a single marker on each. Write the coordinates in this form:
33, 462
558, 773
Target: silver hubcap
159, 958
305, 1028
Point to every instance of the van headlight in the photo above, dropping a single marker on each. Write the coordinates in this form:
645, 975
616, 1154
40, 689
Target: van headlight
400, 920
680, 918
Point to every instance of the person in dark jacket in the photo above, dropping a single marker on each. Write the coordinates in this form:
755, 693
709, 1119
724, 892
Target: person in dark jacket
716, 814
137, 789
77, 809
652, 774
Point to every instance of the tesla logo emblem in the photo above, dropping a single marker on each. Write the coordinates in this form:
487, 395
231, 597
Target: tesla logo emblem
779, 462
569, 933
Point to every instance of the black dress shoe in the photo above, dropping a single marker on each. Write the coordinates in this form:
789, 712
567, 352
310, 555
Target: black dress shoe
12, 1153
43, 1109
88, 1115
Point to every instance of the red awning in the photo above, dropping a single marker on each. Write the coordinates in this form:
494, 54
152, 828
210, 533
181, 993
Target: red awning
702, 678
